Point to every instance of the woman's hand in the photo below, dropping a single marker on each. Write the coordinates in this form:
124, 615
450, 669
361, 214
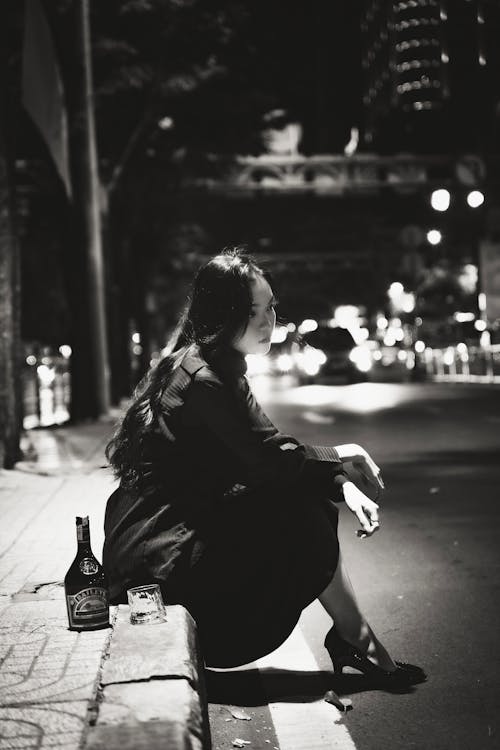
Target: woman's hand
362, 461
365, 510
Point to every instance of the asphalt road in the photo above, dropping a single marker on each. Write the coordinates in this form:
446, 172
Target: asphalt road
428, 581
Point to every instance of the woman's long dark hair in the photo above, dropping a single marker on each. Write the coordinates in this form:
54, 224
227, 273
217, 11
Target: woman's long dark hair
217, 311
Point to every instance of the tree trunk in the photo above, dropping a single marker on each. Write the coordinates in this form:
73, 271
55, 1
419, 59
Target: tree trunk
91, 204
118, 258
84, 271
83, 401
10, 406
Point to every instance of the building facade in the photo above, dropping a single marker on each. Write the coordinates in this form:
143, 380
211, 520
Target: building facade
431, 75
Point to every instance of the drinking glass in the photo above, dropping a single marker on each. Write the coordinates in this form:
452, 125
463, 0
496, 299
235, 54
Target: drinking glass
146, 604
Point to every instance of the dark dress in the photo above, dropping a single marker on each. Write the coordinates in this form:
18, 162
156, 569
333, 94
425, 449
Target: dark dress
234, 519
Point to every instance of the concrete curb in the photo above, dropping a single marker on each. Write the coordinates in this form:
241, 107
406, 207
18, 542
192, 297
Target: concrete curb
152, 690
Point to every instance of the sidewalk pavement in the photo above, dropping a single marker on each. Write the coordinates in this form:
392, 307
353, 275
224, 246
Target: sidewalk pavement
60, 688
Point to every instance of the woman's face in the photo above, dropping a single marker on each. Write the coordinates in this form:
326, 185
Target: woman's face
256, 339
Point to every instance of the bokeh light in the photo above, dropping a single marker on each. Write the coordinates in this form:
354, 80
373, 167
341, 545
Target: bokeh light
434, 236
440, 199
475, 198
308, 325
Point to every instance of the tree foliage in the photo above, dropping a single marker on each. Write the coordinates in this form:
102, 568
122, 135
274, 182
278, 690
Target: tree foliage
217, 67
149, 59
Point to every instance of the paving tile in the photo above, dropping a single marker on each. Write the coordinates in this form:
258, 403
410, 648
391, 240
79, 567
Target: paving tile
48, 673
43, 726
46, 662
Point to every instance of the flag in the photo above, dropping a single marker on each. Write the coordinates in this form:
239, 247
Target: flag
42, 88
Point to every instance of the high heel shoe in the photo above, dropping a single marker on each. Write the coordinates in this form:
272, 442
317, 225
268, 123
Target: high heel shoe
344, 654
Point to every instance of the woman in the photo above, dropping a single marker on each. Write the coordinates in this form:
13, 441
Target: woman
233, 519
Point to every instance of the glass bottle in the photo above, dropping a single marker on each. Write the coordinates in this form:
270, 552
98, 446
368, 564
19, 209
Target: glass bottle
86, 585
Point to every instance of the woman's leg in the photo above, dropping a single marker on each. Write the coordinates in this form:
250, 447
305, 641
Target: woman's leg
339, 600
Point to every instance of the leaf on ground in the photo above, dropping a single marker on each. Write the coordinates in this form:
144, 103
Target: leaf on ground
236, 713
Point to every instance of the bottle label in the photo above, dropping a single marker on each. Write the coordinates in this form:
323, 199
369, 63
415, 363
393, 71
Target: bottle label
88, 608
88, 566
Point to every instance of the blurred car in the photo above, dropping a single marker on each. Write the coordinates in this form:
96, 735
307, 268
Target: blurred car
396, 364
331, 353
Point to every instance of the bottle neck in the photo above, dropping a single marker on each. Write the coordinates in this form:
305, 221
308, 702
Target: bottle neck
83, 537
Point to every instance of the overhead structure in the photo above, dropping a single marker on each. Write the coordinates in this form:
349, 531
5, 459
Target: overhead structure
325, 174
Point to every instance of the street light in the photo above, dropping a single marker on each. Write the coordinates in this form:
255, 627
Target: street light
396, 289
434, 236
475, 198
440, 199
166, 123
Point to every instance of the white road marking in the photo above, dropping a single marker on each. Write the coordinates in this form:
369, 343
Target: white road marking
312, 725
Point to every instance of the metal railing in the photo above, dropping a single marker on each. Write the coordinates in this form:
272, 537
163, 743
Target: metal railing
463, 364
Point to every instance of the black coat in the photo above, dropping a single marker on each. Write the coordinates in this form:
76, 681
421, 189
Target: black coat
234, 519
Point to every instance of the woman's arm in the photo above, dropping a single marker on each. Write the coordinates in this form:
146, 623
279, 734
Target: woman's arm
268, 455
362, 461
265, 454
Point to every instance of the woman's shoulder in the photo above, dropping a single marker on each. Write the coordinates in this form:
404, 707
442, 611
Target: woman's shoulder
199, 370
191, 372
225, 368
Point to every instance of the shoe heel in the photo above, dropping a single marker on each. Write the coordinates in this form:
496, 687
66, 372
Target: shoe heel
338, 666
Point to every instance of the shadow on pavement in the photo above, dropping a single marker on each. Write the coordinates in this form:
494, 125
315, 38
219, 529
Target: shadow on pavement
253, 687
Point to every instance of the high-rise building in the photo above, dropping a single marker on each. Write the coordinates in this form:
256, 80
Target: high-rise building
431, 75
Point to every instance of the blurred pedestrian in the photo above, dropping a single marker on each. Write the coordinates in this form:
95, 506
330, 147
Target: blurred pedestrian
232, 518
